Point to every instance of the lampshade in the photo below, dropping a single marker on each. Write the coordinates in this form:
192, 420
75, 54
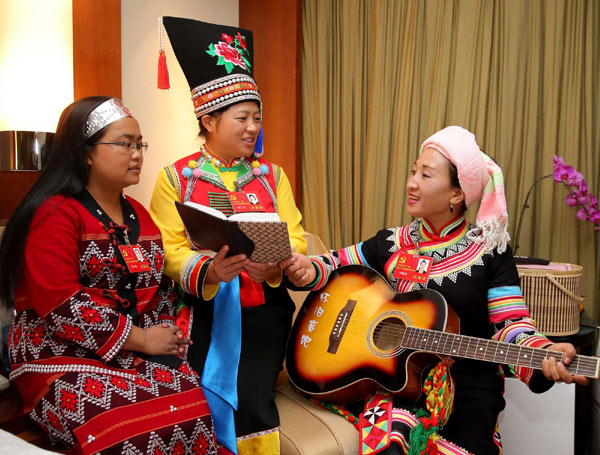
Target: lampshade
24, 150
36, 63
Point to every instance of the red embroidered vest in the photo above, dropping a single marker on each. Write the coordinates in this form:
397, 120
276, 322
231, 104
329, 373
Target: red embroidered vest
251, 293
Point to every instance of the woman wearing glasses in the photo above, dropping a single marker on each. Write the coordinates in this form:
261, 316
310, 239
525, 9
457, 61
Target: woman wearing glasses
93, 348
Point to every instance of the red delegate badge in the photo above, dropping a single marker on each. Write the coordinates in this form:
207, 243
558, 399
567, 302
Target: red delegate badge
242, 201
134, 258
413, 268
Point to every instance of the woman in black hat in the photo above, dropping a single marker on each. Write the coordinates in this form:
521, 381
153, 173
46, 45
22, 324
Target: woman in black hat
93, 348
236, 312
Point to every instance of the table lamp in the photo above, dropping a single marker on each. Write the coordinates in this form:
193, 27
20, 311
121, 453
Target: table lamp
24, 150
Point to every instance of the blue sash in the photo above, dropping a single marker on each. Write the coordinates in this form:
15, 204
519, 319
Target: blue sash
219, 378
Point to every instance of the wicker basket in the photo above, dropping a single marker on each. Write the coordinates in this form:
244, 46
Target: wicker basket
553, 298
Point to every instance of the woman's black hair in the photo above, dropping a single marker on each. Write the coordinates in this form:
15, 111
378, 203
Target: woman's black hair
454, 182
454, 175
65, 173
214, 114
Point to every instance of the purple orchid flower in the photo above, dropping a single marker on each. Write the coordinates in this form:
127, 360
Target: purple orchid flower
576, 179
579, 194
595, 216
558, 161
564, 173
582, 194
571, 200
582, 214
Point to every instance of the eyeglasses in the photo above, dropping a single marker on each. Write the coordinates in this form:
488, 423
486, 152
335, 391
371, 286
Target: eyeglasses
128, 146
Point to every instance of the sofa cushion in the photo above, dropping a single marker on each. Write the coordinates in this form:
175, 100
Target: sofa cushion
15, 445
307, 429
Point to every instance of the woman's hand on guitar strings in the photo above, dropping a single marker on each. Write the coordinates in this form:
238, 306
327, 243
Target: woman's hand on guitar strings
557, 371
299, 270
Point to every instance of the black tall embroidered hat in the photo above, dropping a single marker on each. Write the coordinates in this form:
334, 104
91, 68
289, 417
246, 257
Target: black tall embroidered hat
217, 61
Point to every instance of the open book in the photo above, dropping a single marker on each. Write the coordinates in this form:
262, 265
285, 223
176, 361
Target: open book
263, 237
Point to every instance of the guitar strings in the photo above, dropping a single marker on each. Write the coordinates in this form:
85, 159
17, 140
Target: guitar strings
587, 366
394, 334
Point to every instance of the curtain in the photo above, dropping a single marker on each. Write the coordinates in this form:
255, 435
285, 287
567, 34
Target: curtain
380, 76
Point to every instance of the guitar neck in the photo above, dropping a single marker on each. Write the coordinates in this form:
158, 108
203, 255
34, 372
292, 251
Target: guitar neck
493, 351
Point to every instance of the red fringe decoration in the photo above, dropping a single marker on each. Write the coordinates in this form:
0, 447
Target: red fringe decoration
163, 72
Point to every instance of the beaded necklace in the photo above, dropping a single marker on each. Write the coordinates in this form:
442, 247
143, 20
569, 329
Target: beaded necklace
193, 170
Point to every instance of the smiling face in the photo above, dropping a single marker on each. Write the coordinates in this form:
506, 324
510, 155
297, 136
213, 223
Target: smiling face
429, 191
114, 167
233, 133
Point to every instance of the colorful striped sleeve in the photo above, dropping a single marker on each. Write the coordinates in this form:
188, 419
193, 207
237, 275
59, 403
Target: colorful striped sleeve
191, 276
522, 333
506, 302
183, 264
509, 315
352, 255
324, 264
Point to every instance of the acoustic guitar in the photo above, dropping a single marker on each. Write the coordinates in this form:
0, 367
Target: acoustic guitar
357, 335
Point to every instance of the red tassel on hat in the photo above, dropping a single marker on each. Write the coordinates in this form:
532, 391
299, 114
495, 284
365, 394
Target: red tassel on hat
163, 72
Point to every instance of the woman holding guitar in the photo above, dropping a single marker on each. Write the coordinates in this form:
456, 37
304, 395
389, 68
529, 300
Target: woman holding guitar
472, 267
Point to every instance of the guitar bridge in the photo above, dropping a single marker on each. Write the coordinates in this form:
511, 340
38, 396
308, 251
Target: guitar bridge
339, 328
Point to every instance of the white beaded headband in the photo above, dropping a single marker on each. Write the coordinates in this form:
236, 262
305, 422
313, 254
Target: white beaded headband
108, 112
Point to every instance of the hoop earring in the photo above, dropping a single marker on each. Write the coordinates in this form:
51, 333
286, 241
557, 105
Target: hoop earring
451, 208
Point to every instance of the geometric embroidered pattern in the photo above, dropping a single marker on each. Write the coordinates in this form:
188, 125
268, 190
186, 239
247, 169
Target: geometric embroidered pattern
403, 422
80, 324
77, 397
449, 261
86, 391
374, 424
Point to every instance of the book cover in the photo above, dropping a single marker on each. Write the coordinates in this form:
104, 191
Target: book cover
260, 236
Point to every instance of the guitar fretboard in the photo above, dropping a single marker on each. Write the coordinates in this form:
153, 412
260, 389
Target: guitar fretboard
491, 351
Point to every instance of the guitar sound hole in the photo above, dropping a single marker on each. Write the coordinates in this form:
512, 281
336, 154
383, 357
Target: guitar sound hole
388, 333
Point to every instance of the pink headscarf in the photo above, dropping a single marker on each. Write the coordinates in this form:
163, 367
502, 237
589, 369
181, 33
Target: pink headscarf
480, 178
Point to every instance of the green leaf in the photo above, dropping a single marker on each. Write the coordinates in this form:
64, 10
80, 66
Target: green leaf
246, 62
221, 61
229, 67
211, 50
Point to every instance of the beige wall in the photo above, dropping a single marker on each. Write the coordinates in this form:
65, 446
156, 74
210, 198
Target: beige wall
166, 117
36, 39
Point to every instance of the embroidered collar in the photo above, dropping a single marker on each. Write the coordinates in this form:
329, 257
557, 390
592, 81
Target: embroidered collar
129, 232
207, 172
196, 168
447, 232
453, 253
131, 226
239, 167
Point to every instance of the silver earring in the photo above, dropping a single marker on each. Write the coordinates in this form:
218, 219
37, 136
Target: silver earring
451, 208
